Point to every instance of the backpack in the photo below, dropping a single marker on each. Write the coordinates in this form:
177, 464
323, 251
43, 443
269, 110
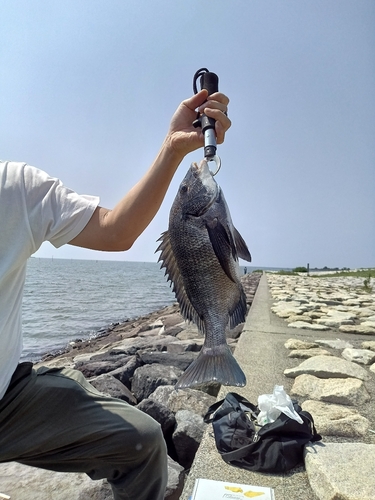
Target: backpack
275, 447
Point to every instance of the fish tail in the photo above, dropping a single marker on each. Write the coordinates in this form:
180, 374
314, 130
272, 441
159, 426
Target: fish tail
213, 364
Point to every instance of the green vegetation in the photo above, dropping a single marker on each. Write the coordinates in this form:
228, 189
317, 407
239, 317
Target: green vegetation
367, 274
285, 273
300, 270
294, 272
360, 273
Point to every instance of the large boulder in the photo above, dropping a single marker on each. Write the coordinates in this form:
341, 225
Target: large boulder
187, 436
190, 399
125, 372
176, 477
98, 367
180, 360
148, 377
110, 386
21, 482
162, 394
159, 412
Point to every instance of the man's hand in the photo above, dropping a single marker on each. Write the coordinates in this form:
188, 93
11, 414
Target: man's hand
182, 137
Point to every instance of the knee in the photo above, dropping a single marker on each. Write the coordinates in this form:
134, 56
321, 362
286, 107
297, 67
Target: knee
151, 436
142, 435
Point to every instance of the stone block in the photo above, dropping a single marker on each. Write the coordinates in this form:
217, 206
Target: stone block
328, 367
337, 420
346, 391
299, 344
341, 470
308, 353
362, 356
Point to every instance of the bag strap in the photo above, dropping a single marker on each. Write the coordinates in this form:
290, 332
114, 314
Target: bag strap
211, 411
229, 456
308, 416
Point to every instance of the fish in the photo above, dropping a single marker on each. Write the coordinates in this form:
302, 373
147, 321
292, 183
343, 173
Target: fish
200, 252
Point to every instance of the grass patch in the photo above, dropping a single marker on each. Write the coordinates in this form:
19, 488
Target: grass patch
360, 273
285, 273
367, 274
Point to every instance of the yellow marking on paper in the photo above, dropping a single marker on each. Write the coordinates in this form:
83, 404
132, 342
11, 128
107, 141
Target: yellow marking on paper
235, 489
253, 494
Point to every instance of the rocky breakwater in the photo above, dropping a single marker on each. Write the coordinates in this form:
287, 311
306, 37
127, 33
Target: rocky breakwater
334, 378
138, 361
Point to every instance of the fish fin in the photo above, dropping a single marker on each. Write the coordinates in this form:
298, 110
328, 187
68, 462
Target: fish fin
213, 364
238, 314
242, 250
223, 245
172, 271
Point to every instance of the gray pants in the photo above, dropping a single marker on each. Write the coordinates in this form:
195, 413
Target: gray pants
54, 419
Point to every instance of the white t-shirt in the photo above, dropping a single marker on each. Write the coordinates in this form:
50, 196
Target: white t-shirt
34, 208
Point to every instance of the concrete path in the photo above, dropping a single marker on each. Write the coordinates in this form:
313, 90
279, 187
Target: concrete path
263, 357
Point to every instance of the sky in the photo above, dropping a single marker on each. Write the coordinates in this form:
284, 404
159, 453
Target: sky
87, 90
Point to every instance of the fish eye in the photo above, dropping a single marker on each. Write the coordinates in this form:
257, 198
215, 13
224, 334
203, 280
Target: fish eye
183, 189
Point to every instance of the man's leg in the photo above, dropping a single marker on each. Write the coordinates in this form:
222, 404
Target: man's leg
56, 420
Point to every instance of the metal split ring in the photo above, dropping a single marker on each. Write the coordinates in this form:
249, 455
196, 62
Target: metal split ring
217, 160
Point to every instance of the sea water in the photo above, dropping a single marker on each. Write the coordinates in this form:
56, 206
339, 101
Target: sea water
69, 299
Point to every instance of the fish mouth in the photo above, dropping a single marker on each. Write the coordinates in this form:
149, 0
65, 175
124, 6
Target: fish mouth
201, 168
202, 171
209, 185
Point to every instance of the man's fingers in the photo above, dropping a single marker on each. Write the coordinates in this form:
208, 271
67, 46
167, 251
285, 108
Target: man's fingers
222, 123
219, 97
220, 116
196, 100
216, 100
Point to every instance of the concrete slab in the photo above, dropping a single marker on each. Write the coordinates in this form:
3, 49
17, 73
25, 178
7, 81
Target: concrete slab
263, 357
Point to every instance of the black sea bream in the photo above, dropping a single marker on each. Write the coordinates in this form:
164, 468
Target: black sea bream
200, 253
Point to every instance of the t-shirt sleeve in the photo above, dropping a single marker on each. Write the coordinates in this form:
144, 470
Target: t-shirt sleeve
56, 213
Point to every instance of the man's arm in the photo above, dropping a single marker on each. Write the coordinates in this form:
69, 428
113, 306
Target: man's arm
117, 229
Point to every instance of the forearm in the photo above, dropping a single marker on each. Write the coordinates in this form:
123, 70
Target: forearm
135, 211
121, 226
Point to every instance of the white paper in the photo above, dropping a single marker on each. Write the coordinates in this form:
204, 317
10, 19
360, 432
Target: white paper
208, 489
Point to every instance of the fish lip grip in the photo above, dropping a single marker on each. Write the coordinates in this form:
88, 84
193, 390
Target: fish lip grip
210, 82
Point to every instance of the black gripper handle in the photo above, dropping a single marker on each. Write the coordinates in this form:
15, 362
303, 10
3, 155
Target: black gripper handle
210, 82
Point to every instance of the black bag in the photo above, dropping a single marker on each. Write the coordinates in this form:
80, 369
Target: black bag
275, 447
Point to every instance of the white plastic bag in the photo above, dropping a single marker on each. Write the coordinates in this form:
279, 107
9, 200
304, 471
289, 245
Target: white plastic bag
271, 405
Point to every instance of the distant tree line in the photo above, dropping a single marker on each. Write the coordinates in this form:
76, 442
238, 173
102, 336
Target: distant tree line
303, 269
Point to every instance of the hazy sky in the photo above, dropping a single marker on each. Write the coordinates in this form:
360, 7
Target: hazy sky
87, 89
